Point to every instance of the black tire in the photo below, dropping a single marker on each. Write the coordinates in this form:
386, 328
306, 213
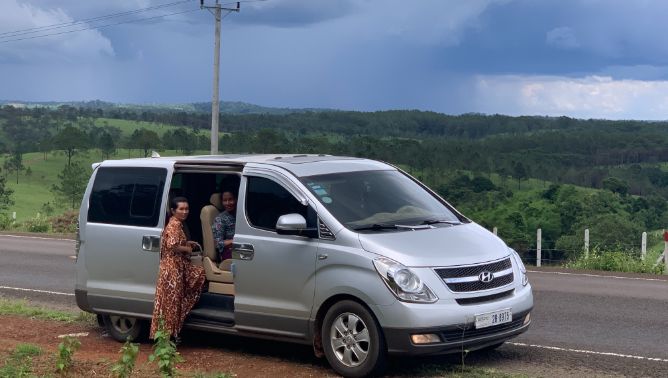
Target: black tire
122, 328
353, 352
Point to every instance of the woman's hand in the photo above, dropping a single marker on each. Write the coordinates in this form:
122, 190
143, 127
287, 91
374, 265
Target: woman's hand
193, 245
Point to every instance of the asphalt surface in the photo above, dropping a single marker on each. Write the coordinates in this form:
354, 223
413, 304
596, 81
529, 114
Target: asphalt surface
582, 324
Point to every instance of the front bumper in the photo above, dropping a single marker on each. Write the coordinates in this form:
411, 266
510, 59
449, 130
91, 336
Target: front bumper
454, 338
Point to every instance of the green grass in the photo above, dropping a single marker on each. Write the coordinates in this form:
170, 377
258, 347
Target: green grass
615, 261
23, 308
19, 362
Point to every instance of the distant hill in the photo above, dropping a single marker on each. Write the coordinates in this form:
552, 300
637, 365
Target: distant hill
226, 107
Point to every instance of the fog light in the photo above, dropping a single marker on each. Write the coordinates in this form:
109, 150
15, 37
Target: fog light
527, 319
427, 338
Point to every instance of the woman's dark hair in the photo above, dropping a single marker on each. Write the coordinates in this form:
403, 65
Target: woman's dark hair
174, 203
230, 184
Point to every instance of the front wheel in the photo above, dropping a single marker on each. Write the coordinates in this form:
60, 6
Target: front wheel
353, 342
122, 328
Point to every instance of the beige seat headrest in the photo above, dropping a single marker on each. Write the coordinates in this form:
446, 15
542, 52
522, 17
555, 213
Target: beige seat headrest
215, 201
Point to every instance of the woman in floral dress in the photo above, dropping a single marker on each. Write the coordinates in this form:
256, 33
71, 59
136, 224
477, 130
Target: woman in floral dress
179, 282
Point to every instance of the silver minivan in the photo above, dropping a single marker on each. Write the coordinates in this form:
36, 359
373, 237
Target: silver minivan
350, 255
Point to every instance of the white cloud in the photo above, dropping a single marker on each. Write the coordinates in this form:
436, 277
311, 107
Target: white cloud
18, 15
585, 97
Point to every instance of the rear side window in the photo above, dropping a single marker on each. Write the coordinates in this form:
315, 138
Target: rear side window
266, 201
127, 196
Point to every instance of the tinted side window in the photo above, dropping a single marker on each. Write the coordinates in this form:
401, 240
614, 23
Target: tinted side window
266, 201
127, 196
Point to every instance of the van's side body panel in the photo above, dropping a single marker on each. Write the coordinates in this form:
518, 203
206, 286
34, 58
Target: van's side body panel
274, 290
116, 269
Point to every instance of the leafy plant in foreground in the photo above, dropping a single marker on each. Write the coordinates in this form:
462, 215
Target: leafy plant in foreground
126, 363
66, 350
164, 351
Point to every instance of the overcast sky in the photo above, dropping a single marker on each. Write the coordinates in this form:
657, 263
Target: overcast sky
579, 58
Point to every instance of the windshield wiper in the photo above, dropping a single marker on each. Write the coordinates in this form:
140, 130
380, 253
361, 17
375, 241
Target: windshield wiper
376, 226
434, 221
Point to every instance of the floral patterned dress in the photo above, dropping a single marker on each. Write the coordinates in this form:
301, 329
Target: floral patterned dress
223, 229
179, 282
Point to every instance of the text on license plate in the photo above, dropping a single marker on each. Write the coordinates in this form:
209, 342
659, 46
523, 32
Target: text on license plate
493, 318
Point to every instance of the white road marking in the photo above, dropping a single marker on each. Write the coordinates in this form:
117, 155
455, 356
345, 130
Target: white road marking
35, 290
590, 352
35, 237
598, 275
80, 334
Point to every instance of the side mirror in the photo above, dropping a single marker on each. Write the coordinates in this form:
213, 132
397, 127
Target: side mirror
294, 224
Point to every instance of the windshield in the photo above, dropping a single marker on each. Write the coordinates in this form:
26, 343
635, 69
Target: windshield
375, 200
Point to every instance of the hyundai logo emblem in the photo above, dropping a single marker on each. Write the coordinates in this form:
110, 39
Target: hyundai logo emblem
486, 277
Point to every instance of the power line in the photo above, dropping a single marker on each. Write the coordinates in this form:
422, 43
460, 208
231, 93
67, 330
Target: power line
93, 19
98, 27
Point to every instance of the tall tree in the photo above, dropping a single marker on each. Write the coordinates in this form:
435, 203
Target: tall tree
14, 164
71, 140
5, 195
71, 184
106, 144
145, 139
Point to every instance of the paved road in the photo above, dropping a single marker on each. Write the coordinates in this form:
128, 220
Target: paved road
38, 264
582, 324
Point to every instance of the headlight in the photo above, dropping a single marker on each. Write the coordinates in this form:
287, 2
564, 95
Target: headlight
520, 264
403, 282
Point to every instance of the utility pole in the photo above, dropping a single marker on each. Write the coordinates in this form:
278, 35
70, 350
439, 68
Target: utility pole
215, 101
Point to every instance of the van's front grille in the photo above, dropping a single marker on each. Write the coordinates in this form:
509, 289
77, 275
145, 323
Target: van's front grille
478, 277
485, 298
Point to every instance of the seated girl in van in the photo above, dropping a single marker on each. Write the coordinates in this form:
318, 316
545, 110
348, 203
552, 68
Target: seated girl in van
223, 225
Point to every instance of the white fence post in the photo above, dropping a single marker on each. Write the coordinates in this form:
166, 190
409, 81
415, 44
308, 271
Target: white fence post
13, 215
586, 243
538, 247
495, 231
643, 246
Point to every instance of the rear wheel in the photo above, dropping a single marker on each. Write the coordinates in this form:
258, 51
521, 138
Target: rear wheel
353, 342
123, 328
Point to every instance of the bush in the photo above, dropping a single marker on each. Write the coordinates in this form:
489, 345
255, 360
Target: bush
37, 224
65, 223
615, 261
6, 222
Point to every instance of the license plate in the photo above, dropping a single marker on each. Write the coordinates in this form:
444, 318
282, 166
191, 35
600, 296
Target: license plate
493, 318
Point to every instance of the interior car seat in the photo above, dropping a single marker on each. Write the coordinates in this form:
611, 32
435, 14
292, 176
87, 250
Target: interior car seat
219, 277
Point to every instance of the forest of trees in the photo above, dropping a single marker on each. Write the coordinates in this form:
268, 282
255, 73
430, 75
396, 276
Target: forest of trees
457, 155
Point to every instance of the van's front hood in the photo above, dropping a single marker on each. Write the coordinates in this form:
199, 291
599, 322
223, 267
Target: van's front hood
442, 246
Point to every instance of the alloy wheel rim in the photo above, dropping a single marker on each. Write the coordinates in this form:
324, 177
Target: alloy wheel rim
349, 338
123, 324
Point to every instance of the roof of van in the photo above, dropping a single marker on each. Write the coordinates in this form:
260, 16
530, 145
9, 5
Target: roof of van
299, 165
